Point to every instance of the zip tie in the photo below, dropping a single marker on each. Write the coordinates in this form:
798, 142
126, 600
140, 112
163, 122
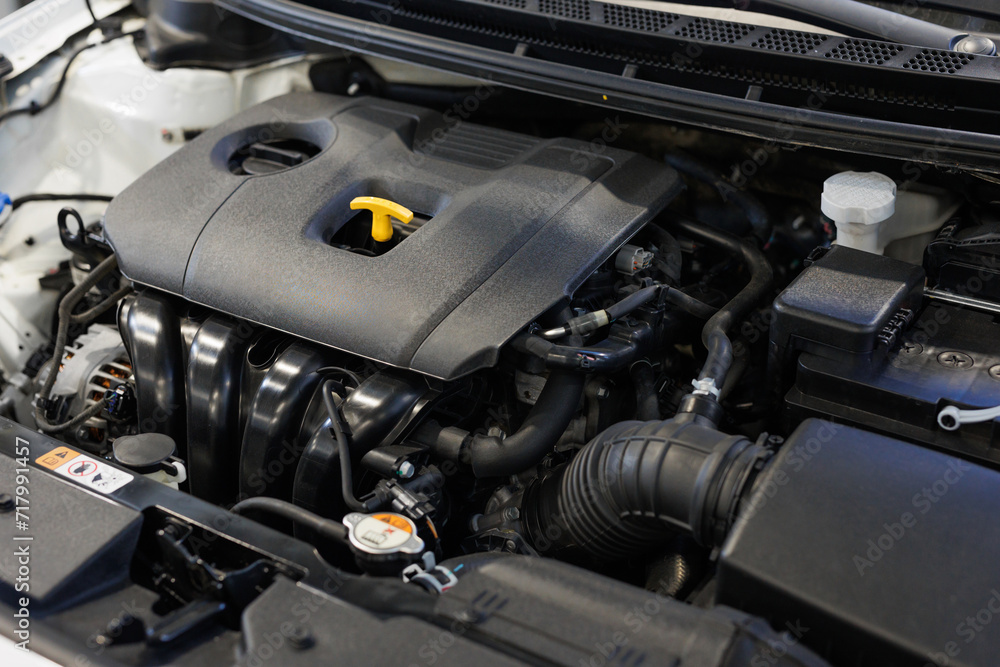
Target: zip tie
950, 418
706, 387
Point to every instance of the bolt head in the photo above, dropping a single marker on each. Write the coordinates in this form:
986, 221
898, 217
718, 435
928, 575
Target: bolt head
958, 360
299, 638
406, 470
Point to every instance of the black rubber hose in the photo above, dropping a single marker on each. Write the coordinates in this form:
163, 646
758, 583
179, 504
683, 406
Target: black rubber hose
608, 356
675, 297
719, 359
714, 335
327, 528
632, 301
689, 304
491, 456
590, 322
343, 448
751, 207
617, 496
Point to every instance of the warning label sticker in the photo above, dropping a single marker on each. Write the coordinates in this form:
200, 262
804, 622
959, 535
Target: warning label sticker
395, 521
56, 457
92, 473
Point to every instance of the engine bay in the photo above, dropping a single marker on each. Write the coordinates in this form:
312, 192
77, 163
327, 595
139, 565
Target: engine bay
517, 375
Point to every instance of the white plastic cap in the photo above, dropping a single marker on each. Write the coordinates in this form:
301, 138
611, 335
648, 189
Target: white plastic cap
857, 202
854, 196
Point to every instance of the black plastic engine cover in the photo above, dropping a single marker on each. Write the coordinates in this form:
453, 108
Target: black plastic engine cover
515, 224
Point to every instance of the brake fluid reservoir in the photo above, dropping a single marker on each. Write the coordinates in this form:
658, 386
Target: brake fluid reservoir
871, 214
858, 203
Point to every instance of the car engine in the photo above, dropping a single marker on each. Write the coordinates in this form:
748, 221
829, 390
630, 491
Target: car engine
561, 359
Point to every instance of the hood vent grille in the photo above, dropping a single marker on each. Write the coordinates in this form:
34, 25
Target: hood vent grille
708, 30
864, 51
789, 41
637, 18
942, 62
578, 10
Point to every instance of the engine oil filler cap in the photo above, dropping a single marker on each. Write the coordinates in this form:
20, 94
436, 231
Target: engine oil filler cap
382, 210
383, 539
858, 202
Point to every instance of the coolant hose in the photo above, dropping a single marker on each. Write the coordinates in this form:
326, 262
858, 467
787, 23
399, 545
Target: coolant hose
719, 359
714, 335
328, 528
491, 456
626, 486
608, 356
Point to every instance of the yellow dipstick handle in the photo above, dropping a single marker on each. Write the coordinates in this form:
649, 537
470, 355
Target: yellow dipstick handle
381, 210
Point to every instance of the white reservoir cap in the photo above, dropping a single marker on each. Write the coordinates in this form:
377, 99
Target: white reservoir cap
857, 202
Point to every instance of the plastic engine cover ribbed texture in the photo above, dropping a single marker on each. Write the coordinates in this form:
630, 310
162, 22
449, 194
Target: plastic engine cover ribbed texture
515, 224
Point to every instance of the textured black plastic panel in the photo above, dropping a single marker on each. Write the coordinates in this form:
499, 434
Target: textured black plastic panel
79, 543
344, 634
516, 225
564, 615
883, 550
844, 300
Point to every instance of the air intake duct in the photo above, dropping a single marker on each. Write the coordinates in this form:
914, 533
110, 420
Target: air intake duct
634, 480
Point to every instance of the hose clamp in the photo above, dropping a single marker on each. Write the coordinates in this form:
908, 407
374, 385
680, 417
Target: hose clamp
706, 387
